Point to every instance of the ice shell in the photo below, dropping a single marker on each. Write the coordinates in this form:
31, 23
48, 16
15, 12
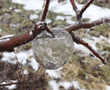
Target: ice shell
53, 53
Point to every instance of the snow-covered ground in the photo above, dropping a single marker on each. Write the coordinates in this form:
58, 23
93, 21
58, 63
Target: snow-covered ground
93, 12
23, 56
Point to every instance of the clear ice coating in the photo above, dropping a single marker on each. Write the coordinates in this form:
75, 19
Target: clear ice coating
53, 53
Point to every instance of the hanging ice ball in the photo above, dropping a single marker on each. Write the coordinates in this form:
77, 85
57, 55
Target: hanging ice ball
53, 53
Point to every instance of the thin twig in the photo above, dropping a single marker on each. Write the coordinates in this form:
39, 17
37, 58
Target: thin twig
84, 8
74, 6
80, 13
45, 10
82, 42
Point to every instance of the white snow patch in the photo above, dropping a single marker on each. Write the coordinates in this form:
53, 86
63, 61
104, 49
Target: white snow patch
48, 21
30, 4
63, 8
33, 16
54, 73
60, 18
10, 87
98, 12
26, 72
76, 85
107, 87
68, 85
65, 84
9, 57
22, 57
27, 55
54, 85
34, 64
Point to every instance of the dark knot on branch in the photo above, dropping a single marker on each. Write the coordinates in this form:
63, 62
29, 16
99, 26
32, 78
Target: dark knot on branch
41, 26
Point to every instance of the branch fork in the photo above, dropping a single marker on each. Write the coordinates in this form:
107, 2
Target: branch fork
79, 13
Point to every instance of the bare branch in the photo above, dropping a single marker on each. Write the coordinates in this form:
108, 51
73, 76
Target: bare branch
82, 42
74, 6
9, 45
45, 10
80, 13
88, 25
84, 8
13, 42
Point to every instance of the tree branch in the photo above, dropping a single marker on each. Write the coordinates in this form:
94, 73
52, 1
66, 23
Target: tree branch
88, 24
45, 10
82, 42
84, 9
9, 45
80, 13
74, 6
